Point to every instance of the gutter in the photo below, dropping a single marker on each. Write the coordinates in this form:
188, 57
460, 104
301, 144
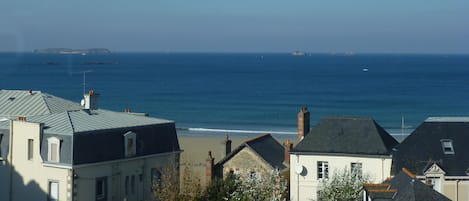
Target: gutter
341, 154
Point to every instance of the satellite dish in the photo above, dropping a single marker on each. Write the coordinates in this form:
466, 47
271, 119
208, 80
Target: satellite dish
299, 169
82, 102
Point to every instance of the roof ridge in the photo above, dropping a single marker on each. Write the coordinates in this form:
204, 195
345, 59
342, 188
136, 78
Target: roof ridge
348, 117
70, 121
43, 98
256, 138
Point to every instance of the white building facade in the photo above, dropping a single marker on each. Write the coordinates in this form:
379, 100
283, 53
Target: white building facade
336, 144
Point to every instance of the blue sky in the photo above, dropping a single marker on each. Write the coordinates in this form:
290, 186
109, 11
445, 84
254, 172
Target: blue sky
319, 26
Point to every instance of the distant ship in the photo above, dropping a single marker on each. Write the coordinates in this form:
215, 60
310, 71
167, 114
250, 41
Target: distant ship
298, 53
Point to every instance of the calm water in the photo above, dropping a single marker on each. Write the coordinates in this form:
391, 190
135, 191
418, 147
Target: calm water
253, 91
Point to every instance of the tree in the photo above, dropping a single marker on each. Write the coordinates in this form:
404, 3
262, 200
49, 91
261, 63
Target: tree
168, 188
253, 187
344, 185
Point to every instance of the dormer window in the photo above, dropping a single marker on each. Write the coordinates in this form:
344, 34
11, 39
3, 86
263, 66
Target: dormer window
130, 141
53, 154
447, 146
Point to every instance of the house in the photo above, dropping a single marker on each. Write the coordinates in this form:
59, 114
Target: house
438, 152
70, 151
403, 187
257, 157
357, 144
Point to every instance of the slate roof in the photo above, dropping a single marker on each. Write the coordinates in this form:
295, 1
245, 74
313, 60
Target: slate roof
347, 135
423, 147
266, 147
15, 103
404, 187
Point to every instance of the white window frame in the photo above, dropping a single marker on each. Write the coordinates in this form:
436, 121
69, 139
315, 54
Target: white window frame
322, 170
50, 141
133, 150
447, 146
50, 186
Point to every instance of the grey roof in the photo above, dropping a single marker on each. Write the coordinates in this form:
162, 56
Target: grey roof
87, 136
70, 122
347, 135
423, 147
268, 148
406, 188
62, 116
15, 103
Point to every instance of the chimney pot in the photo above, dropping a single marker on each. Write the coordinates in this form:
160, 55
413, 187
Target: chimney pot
91, 100
226, 145
21, 118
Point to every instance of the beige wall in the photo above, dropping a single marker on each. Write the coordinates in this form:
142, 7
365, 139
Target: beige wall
245, 162
449, 190
377, 168
116, 173
30, 177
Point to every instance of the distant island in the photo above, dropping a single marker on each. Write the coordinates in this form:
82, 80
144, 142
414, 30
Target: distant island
72, 51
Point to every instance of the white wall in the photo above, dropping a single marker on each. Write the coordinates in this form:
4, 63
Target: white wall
378, 168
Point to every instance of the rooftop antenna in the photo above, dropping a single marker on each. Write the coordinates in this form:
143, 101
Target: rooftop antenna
84, 79
403, 125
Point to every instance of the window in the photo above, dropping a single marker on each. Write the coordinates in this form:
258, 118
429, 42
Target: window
126, 185
155, 177
53, 154
447, 146
101, 188
323, 170
1, 138
130, 141
53, 191
132, 183
30, 149
356, 169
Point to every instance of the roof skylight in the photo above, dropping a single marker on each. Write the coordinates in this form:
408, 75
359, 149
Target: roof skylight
447, 146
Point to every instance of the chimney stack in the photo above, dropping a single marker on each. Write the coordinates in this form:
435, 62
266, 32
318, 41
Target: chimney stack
226, 146
303, 123
91, 100
209, 163
288, 147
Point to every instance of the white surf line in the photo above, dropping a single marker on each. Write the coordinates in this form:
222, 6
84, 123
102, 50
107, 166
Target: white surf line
236, 131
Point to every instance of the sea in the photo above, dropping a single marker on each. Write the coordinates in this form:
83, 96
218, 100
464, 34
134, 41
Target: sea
253, 93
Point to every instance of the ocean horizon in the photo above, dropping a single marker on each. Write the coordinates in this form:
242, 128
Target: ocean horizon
252, 93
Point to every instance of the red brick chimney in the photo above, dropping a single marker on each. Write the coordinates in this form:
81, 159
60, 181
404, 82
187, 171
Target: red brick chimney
287, 146
209, 168
303, 123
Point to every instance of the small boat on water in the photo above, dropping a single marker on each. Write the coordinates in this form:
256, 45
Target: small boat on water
365, 69
298, 53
